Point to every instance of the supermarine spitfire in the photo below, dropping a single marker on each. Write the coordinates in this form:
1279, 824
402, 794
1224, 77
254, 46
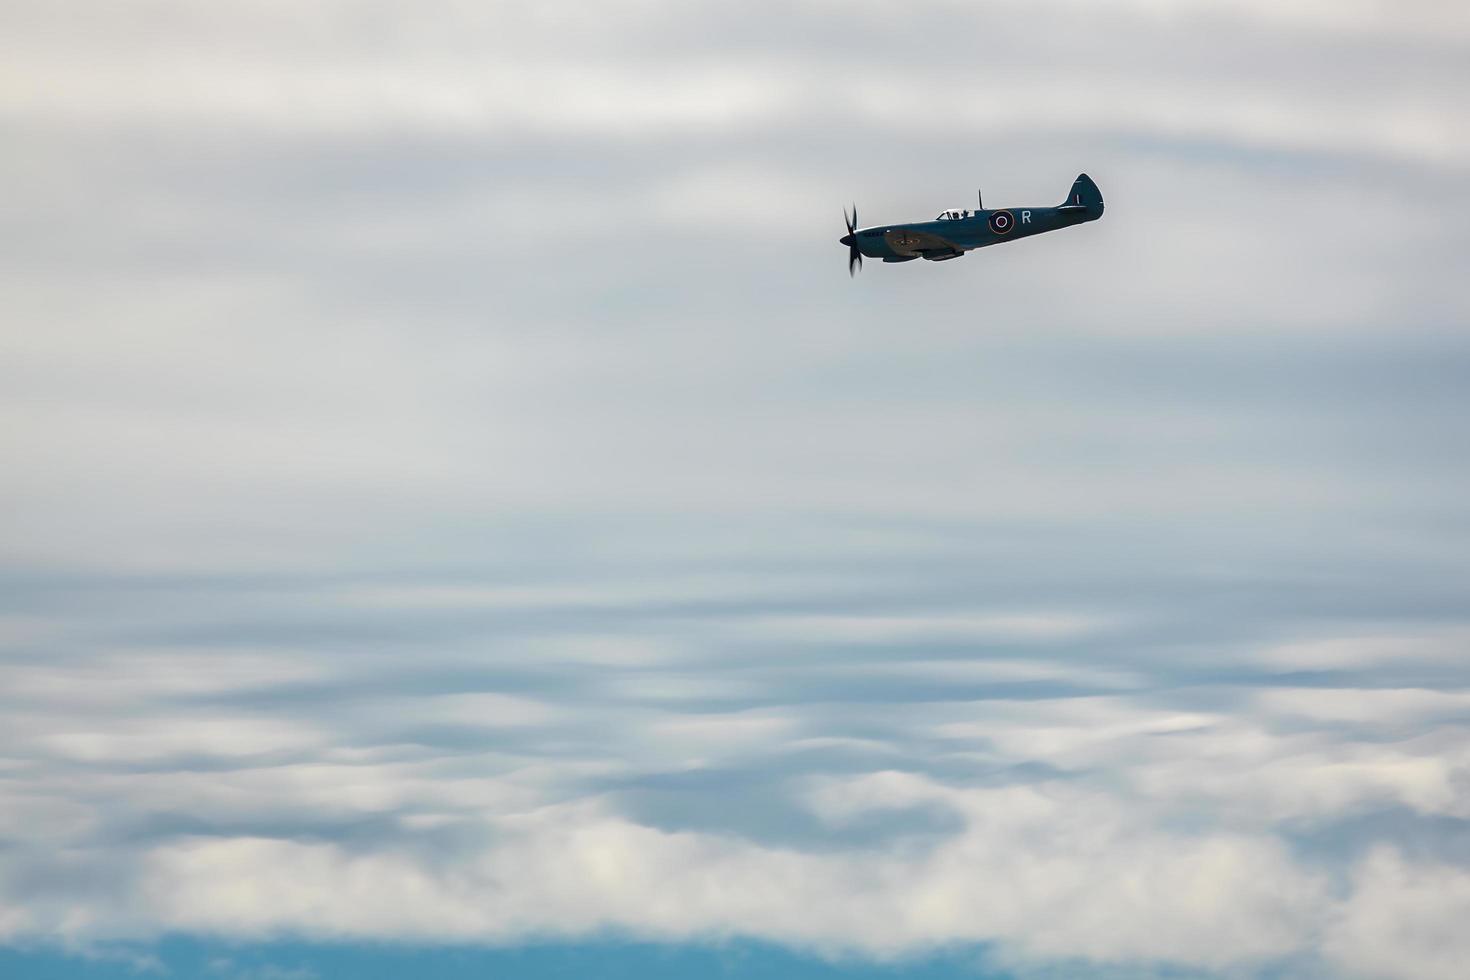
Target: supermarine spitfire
956, 232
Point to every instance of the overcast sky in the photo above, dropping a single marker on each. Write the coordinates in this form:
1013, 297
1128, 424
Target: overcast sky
454, 496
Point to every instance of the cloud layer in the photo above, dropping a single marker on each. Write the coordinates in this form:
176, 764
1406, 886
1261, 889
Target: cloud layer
454, 493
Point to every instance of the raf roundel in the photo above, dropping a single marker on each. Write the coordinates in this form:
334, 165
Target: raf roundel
1001, 222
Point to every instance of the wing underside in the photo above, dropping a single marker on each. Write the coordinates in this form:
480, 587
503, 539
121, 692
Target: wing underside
921, 244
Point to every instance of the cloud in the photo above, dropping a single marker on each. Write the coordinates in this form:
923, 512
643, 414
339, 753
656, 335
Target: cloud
1126, 827
1404, 921
454, 494
224, 966
1027, 869
649, 68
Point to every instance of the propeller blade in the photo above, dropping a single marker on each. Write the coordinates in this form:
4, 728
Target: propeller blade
854, 254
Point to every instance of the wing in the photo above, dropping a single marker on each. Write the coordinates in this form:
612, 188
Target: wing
921, 244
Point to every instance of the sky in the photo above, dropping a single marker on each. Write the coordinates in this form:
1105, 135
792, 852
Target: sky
459, 518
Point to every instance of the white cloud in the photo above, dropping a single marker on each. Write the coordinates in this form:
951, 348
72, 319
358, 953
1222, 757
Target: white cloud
888, 629
1056, 873
1404, 921
1363, 649
655, 68
453, 492
164, 736
139, 677
1394, 706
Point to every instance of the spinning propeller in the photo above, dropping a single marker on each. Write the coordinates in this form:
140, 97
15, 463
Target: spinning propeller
854, 256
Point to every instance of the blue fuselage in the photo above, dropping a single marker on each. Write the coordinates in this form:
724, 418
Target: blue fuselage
956, 232
976, 229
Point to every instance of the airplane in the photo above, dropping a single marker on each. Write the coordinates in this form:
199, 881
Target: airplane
957, 231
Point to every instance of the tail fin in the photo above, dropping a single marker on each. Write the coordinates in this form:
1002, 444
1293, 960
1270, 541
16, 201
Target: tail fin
1084, 194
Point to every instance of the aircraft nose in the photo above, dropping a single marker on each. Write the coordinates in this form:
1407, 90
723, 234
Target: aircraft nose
846, 240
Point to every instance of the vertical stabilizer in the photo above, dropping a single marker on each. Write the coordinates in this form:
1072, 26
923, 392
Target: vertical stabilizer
1084, 194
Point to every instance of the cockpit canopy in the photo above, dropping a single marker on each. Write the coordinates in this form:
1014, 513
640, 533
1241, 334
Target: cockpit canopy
954, 214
